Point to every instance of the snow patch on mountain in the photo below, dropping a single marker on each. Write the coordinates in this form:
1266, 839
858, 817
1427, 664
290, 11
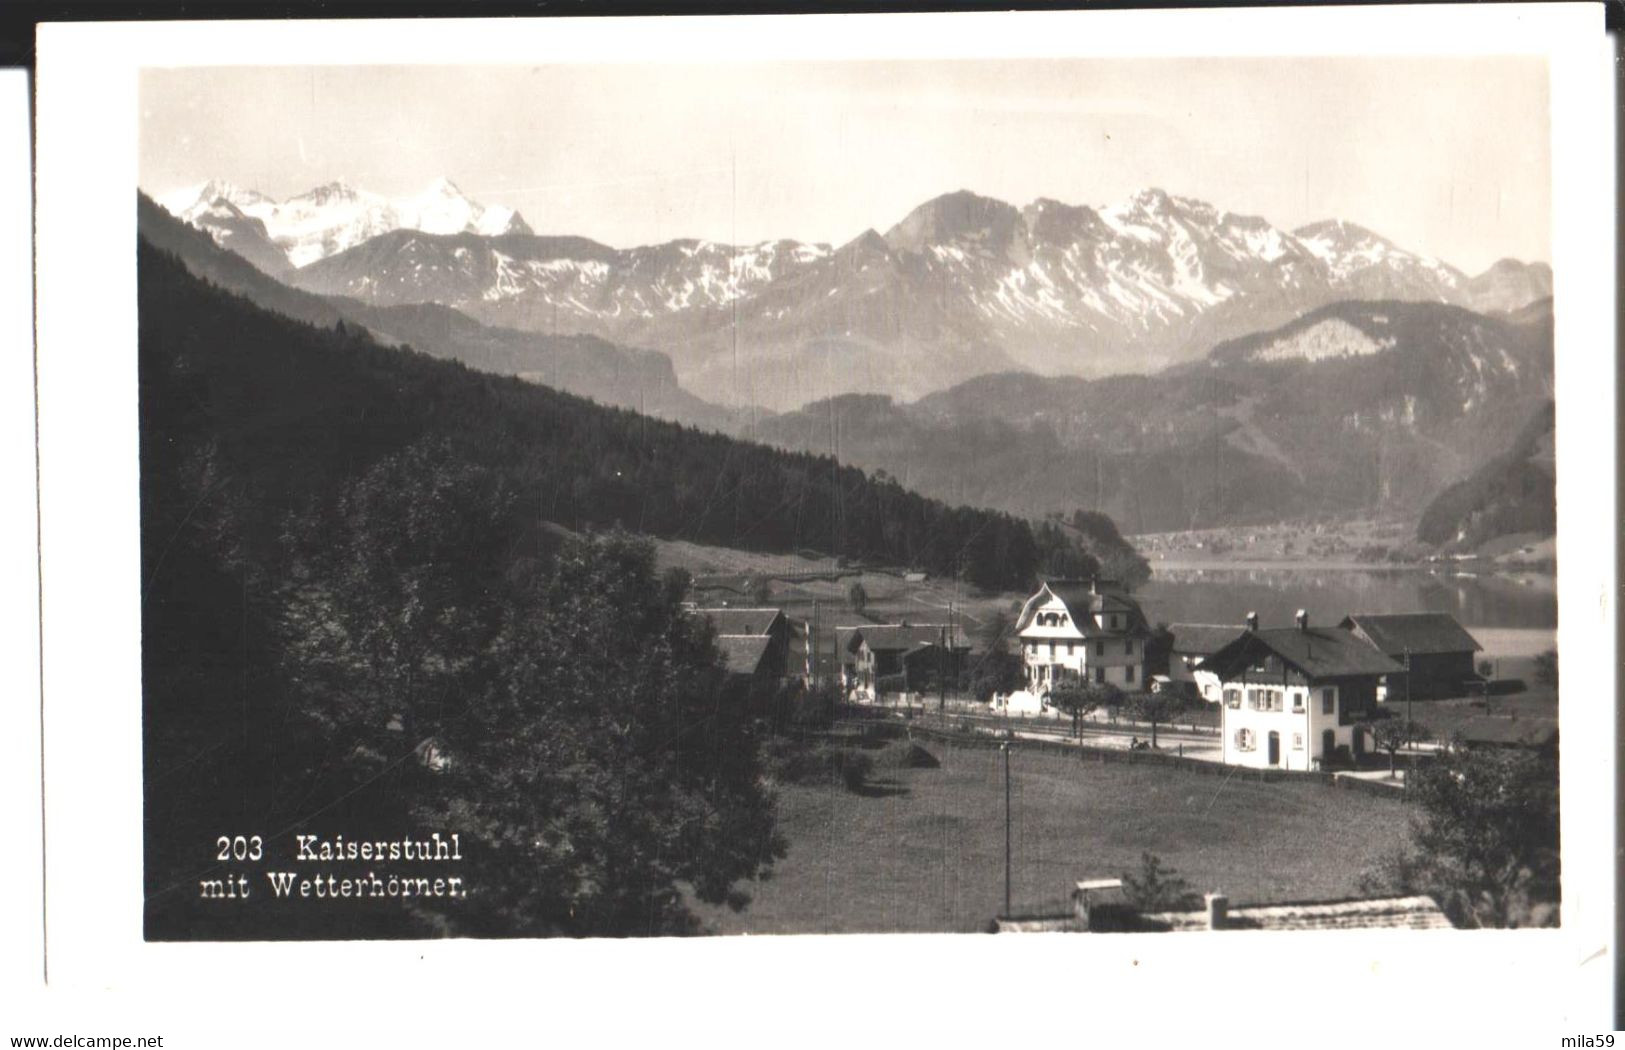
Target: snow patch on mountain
1333, 337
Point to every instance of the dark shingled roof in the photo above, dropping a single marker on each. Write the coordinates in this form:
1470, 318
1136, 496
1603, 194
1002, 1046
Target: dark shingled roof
1417, 632
892, 636
740, 621
742, 654
1318, 652
846, 638
1203, 638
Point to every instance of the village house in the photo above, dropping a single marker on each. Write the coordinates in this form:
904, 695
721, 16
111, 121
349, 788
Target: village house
755, 643
1435, 653
1193, 643
905, 656
1294, 697
1082, 631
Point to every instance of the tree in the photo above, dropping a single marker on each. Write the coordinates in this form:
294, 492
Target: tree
761, 590
1393, 733
589, 781
1156, 888
996, 631
1485, 841
1158, 648
995, 671
1546, 668
857, 599
1079, 701
1155, 708
592, 780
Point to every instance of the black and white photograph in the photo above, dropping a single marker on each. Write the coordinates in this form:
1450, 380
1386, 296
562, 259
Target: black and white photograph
692, 524
1087, 493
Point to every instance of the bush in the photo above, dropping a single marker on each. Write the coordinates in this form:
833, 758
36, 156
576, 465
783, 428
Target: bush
855, 769
797, 707
805, 762
1157, 888
906, 754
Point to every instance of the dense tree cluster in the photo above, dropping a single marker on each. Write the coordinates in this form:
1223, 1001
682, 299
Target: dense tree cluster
1485, 841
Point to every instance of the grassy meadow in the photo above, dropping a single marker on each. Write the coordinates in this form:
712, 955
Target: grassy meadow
923, 851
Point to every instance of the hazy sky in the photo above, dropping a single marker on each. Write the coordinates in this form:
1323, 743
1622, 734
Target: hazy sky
1443, 155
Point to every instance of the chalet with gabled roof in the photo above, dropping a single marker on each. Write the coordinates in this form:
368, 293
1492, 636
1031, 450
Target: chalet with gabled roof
755, 643
1434, 651
916, 653
1082, 631
1293, 697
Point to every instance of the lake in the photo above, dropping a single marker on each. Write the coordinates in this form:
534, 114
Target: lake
1519, 611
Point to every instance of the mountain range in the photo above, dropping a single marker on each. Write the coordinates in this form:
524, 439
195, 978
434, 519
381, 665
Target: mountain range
1263, 373
961, 286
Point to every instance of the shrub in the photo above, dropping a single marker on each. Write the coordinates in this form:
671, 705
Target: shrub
855, 769
906, 754
1157, 888
793, 761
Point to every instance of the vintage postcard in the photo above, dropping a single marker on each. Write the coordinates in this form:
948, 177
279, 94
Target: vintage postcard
1087, 476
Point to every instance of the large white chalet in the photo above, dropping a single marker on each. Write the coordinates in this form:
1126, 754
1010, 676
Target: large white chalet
1294, 697
1082, 631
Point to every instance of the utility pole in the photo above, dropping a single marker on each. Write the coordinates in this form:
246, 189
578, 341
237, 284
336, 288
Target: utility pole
1407, 686
1409, 730
1006, 749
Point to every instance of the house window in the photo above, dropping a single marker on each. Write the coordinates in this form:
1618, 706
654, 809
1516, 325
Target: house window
1128, 646
1264, 699
1052, 650
1297, 741
1232, 698
1100, 673
1069, 648
1297, 703
1128, 673
1245, 740
1328, 702
1100, 648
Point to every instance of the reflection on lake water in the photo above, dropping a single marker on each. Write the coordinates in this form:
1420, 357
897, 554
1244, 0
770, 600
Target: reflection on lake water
1190, 595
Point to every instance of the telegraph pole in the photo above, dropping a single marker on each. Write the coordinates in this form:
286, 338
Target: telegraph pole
1006, 749
1407, 688
1410, 729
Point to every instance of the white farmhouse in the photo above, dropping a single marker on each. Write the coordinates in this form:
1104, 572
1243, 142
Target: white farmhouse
1294, 696
1082, 631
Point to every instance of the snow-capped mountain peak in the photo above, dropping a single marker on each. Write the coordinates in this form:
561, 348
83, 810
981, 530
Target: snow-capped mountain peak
337, 215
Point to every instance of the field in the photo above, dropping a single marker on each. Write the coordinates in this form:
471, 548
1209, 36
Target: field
925, 852
890, 597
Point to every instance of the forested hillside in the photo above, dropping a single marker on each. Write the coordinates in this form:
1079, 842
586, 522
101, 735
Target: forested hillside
1514, 492
1363, 407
